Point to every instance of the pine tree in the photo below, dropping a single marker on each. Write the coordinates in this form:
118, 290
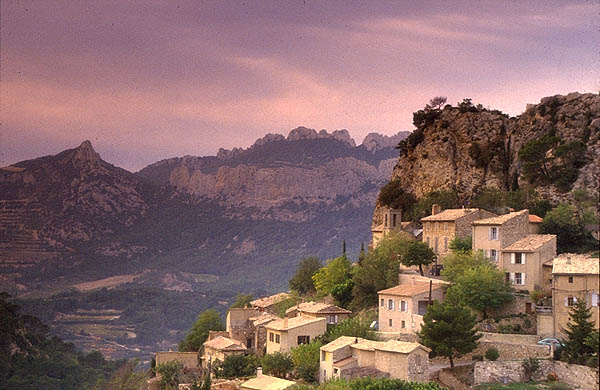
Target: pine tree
449, 331
362, 254
578, 330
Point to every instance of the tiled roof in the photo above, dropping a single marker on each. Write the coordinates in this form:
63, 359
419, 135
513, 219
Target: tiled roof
410, 290
345, 362
535, 219
530, 242
270, 300
290, 323
318, 308
569, 263
263, 318
448, 215
225, 344
370, 345
499, 220
266, 382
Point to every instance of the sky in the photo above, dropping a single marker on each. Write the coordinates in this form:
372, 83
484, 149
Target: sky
149, 80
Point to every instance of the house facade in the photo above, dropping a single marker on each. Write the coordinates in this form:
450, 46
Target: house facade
574, 277
387, 220
333, 314
492, 235
219, 348
247, 325
288, 333
441, 227
353, 357
523, 261
401, 308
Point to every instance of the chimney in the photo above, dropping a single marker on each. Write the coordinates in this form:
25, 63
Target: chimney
258, 372
436, 209
285, 323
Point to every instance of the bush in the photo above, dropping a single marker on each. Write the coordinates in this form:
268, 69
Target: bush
477, 357
551, 377
559, 386
527, 323
236, 366
530, 367
492, 354
277, 364
306, 361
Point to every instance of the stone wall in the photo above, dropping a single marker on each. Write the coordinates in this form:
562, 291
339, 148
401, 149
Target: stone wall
517, 306
509, 338
510, 351
579, 377
188, 359
545, 325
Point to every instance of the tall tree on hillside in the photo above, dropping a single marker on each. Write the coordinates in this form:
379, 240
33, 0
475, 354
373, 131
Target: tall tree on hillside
483, 287
419, 254
207, 320
302, 281
579, 328
456, 263
448, 330
337, 271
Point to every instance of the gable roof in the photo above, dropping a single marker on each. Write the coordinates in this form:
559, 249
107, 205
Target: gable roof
448, 215
225, 344
501, 219
270, 300
370, 345
266, 382
410, 289
573, 264
318, 308
291, 323
530, 242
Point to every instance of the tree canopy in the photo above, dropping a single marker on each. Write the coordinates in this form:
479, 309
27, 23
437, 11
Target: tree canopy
569, 227
306, 360
352, 327
336, 271
417, 254
207, 320
456, 263
302, 281
242, 300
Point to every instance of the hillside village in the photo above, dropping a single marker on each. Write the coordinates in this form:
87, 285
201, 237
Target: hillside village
528, 327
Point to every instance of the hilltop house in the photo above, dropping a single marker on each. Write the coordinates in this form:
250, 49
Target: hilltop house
353, 357
270, 303
288, 333
492, 235
523, 260
247, 326
219, 348
574, 277
333, 314
387, 220
401, 308
441, 227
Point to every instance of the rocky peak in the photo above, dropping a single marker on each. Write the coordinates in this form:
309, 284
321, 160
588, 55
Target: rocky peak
344, 136
301, 132
375, 141
85, 153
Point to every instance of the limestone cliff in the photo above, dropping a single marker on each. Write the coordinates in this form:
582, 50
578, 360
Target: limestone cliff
468, 148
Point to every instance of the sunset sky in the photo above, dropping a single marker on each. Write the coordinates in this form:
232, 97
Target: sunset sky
148, 80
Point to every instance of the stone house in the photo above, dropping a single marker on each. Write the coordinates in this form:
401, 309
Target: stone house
574, 277
352, 357
266, 382
523, 261
401, 308
219, 348
288, 333
270, 303
441, 227
247, 325
333, 314
387, 220
492, 235
188, 359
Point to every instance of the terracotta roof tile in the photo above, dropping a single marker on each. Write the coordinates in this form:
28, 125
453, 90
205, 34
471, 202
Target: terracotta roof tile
410, 290
370, 345
572, 264
530, 242
499, 220
448, 215
318, 308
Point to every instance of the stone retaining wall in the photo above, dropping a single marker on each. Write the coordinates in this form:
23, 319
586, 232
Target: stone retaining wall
512, 351
579, 377
510, 338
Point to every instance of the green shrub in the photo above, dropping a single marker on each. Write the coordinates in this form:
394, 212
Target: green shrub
236, 366
559, 386
277, 364
527, 323
492, 354
530, 367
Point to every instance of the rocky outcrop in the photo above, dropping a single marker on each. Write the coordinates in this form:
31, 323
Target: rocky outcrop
468, 148
374, 141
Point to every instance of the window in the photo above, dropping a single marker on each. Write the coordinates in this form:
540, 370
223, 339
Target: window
436, 244
595, 299
332, 319
519, 278
271, 337
277, 339
390, 304
335, 370
249, 342
518, 258
324, 374
428, 244
403, 324
390, 323
507, 277
570, 301
303, 340
323, 357
445, 243
386, 222
394, 220
493, 255
402, 305
493, 233
382, 302
570, 279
